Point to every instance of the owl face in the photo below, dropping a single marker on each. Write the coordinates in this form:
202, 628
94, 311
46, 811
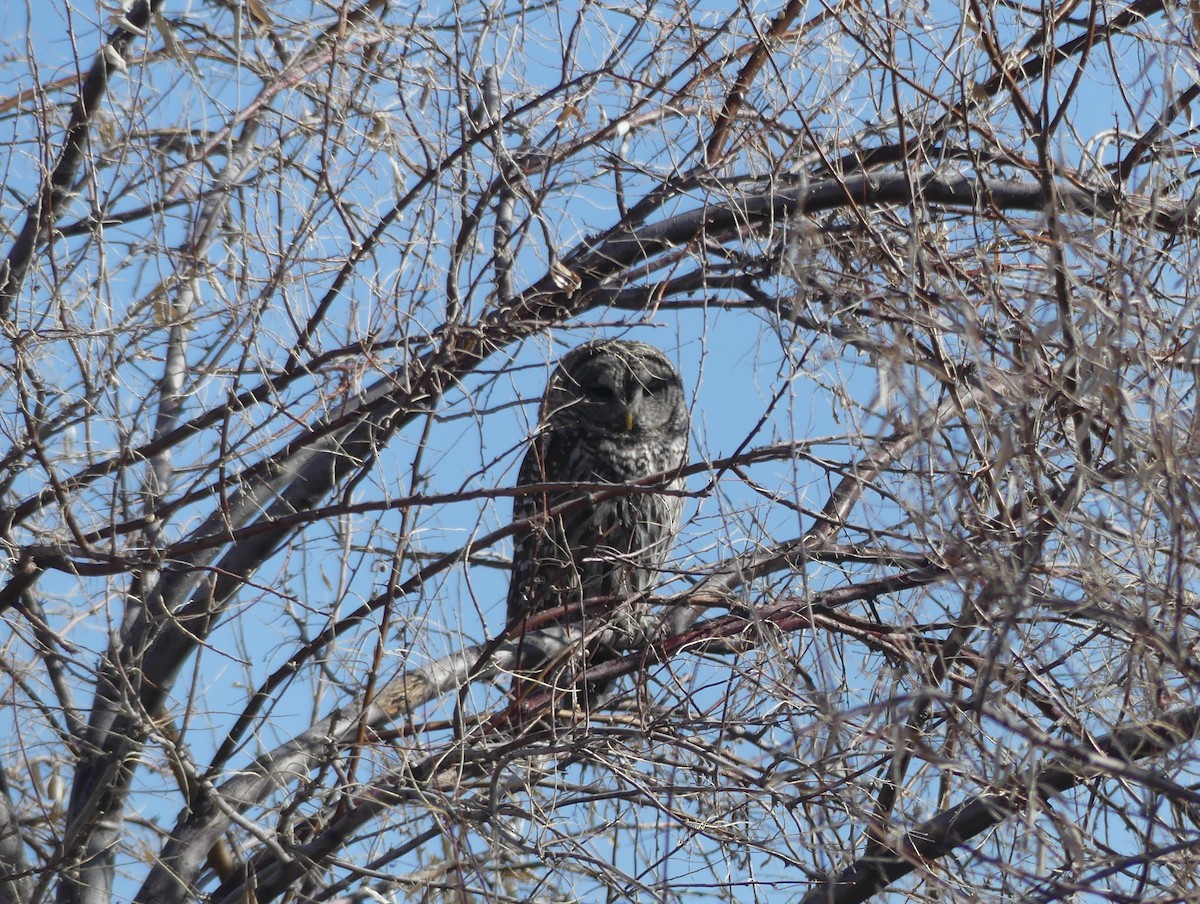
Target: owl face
616, 389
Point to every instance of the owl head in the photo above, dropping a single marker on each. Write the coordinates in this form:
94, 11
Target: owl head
616, 388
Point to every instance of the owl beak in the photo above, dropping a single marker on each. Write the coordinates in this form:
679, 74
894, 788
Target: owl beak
629, 420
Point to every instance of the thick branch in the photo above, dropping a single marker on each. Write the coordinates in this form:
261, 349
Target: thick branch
937, 837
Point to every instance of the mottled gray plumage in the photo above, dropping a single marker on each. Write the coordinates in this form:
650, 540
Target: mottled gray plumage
613, 412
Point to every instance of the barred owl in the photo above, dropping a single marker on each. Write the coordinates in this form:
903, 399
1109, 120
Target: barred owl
613, 412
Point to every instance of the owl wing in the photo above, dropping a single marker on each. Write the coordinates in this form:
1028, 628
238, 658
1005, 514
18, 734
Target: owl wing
543, 566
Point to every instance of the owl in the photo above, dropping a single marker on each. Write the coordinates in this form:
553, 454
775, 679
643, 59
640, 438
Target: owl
613, 412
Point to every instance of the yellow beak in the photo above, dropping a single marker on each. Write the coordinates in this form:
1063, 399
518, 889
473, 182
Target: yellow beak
628, 421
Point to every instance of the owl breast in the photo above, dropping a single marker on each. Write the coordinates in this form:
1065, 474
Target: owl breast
624, 458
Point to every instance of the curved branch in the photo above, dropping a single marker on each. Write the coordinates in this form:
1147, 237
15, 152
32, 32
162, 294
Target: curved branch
582, 281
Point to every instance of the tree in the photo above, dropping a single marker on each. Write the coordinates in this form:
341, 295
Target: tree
281, 284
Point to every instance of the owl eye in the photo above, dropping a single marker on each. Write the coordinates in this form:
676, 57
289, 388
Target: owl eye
601, 393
